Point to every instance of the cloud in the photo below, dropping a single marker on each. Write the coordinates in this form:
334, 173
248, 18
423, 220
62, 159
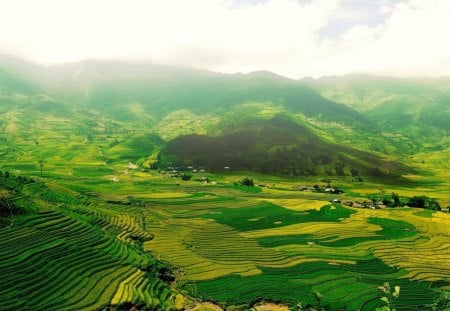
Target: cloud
291, 37
411, 41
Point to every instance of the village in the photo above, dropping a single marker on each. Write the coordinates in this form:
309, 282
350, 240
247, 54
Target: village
376, 202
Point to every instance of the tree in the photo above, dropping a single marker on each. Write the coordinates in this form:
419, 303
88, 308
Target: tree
41, 164
186, 177
247, 182
327, 181
374, 201
390, 297
434, 205
318, 297
424, 202
354, 172
166, 274
395, 199
417, 201
441, 301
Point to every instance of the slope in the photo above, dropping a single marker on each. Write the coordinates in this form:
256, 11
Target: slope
154, 91
416, 110
275, 145
83, 113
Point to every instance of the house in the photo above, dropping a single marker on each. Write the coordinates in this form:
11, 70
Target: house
381, 205
203, 179
300, 188
359, 205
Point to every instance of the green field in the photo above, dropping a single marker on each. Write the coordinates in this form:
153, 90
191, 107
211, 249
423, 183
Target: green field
88, 242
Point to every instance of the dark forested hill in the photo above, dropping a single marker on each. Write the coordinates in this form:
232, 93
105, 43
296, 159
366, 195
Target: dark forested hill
276, 145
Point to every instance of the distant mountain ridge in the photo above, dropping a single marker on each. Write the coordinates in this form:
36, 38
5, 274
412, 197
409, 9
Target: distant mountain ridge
416, 108
161, 90
285, 126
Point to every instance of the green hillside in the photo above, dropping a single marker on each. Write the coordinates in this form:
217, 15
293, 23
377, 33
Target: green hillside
116, 111
158, 91
415, 110
276, 145
112, 102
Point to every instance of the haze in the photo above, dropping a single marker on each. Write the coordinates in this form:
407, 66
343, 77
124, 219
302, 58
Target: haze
292, 38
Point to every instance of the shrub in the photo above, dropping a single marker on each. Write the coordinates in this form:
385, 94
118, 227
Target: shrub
247, 182
186, 177
441, 301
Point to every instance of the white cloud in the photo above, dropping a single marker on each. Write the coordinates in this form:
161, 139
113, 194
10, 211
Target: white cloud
412, 41
283, 36
386, 9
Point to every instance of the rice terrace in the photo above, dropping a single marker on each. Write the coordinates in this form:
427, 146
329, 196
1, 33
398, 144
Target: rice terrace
224, 155
86, 242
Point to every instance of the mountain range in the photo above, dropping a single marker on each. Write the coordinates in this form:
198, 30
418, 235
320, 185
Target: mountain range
103, 113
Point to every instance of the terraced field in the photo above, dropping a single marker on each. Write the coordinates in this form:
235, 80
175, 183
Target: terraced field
146, 240
78, 257
249, 249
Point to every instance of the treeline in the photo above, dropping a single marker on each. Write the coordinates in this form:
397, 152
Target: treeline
11, 184
415, 201
9, 209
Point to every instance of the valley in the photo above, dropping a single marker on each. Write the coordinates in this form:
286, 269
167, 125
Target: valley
223, 244
122, 187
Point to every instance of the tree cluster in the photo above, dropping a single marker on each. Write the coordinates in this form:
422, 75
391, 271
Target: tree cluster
186, 176
415, 201
12, 181
247, 182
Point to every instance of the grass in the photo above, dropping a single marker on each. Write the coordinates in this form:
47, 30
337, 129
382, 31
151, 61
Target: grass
427, 213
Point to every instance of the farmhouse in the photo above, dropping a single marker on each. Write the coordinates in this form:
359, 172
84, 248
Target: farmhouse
300, 188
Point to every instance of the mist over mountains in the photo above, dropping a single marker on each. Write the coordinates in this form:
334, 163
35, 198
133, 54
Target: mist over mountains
260, 121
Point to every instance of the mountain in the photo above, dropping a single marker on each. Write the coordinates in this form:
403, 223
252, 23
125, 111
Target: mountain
416, 109
112, 87
105, 113
276, 145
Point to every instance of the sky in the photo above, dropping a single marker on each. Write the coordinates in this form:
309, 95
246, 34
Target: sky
294, 38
